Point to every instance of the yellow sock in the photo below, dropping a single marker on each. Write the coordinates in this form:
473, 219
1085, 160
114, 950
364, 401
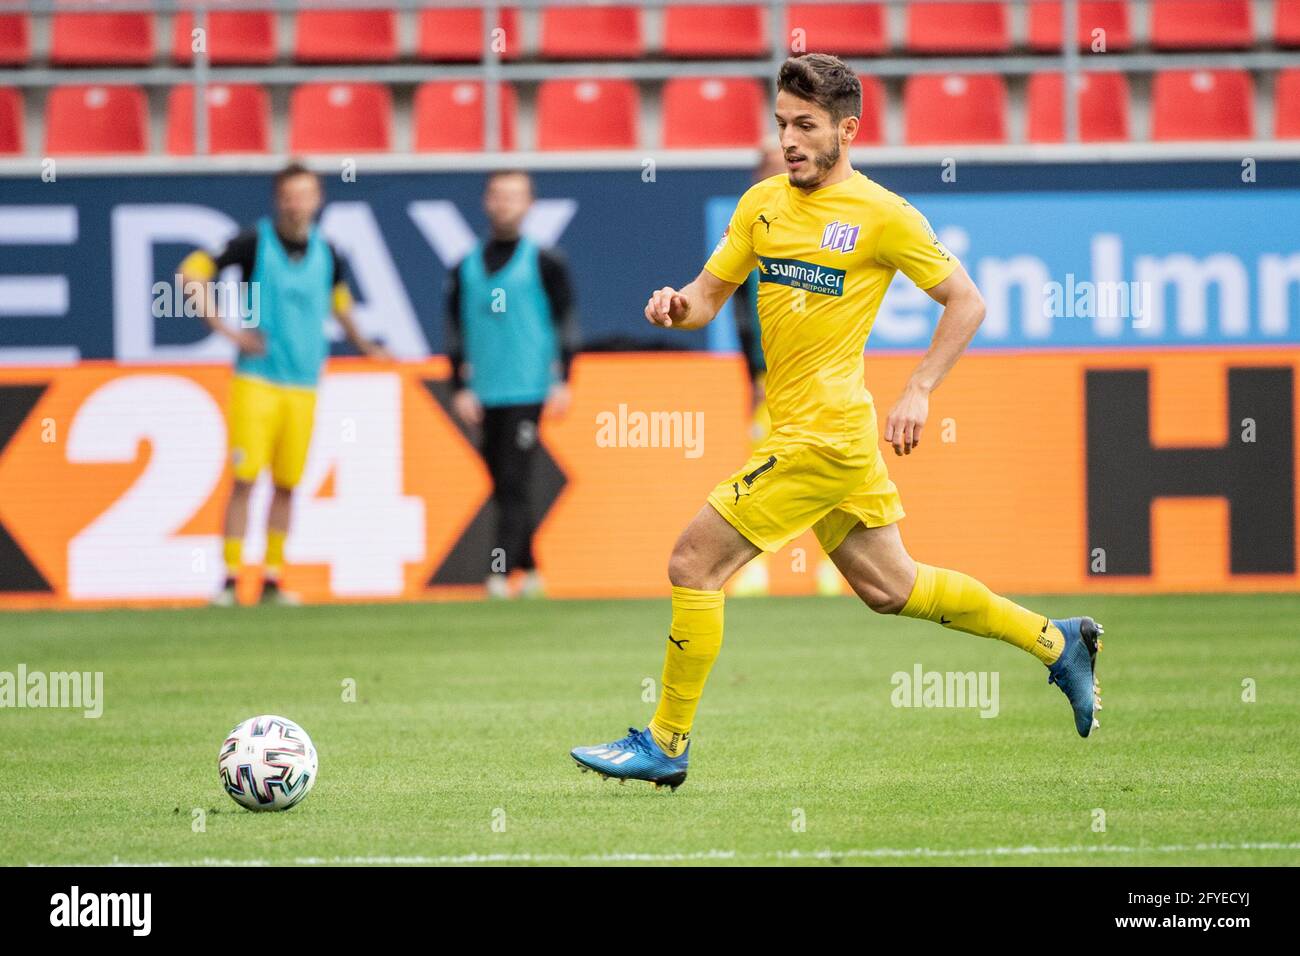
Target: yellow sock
694, 640
232, 550
274, 553
960, 602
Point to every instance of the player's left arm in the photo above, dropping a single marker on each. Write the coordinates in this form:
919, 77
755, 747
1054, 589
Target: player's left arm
343, 312
341, 300
558, 287
963, 311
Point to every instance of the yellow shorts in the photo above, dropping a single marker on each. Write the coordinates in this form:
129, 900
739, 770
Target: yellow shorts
787, 487
270, 425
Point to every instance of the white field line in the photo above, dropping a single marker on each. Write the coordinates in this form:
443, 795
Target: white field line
702, 856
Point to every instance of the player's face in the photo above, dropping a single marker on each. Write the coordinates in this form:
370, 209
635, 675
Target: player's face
297, 201
506, 202
809, 140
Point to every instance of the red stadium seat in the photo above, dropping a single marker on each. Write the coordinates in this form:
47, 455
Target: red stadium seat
1110, 16
703, 112
1286, 23
116, 39
1102, 105
580, 33
1201, 24
11, 121
1286, 104
1202, 105
340, 118
457, 35
955, 108
90, 120
239, 119
15, 40
715, 31
587, 114
236, 38
346, 36
958, 28
871, 126
843, 29
449, 116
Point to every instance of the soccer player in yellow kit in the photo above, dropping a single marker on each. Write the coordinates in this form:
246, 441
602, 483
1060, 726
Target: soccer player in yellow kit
827, 241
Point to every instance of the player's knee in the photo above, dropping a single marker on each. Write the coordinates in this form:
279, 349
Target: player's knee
241, 490
687, 570
882, 598
680, 568
890, 604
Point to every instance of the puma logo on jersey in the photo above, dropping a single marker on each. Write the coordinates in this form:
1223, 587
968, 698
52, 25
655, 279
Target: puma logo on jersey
762, 217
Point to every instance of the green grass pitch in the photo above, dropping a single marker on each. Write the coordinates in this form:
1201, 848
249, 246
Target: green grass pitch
456, 748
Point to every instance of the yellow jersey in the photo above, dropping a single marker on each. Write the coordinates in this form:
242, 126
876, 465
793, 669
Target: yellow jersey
825, 260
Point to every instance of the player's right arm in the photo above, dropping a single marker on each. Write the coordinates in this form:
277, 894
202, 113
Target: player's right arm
733, 259
199, 266
691, 307
908, 244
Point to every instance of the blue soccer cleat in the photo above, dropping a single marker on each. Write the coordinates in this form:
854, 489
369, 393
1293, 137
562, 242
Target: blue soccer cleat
635, 757
1075, 671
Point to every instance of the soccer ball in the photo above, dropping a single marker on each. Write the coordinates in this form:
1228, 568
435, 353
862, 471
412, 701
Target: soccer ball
267, 763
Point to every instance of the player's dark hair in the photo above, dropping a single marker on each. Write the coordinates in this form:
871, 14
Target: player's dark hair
294, 169
498, 173
825, 80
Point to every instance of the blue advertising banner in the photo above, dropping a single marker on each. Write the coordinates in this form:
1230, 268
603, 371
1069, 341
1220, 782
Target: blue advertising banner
79, 257
1067, 255
1100, 270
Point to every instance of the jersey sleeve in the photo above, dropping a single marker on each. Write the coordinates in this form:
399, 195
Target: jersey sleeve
733, 257
908, 244
240, 251
200, 265
342, 274
341, 293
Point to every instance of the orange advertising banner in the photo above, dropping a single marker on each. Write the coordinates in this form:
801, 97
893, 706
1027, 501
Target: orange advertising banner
1074, 471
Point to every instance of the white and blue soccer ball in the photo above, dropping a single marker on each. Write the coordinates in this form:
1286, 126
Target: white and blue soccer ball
267, 763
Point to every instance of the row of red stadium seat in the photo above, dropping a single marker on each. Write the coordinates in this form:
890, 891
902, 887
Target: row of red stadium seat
595, 114
616, 32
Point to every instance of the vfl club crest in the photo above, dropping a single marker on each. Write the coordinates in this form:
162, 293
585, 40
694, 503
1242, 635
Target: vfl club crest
840, 236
